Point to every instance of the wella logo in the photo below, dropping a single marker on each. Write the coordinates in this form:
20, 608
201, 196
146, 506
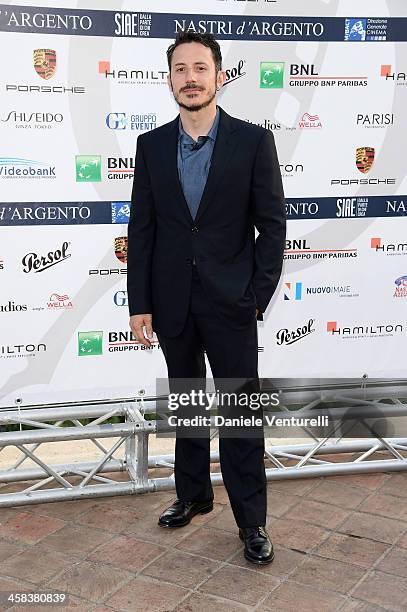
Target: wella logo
308, 121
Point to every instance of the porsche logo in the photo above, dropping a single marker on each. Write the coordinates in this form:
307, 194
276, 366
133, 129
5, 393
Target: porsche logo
364, 159
45, 62
120, 248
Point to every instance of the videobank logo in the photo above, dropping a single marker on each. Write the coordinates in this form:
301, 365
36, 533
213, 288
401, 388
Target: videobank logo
271, 75
88, 168
21, 168
90, 343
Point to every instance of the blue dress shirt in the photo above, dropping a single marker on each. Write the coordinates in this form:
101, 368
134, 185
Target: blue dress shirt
194, 160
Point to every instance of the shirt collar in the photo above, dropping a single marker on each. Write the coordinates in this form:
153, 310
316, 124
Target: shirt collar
211, 134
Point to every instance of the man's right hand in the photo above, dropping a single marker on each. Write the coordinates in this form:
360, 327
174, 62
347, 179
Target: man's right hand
137, 323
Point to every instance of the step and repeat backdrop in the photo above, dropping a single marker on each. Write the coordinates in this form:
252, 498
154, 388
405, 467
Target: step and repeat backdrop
80, 83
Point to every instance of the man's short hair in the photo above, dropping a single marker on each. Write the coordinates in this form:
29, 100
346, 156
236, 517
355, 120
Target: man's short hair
208, 40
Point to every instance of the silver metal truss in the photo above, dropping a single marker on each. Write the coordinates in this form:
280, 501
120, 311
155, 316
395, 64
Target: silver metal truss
79, 480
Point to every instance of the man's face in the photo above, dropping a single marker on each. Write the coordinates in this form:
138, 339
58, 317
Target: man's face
193, 79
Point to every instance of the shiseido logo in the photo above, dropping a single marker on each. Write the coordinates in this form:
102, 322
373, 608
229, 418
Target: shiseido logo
286, 336
36, 120
38, 263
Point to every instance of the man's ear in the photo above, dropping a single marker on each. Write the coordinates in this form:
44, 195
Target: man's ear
221, 79
169, 81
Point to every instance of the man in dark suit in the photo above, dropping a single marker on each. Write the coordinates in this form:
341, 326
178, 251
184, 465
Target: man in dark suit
197, 275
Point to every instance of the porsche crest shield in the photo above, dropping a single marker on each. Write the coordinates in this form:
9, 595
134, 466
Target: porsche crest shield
364, 159
45, 62
120, 248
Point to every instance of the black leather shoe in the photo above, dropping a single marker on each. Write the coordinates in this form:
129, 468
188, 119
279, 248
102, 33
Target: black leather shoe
257, 545
181, 513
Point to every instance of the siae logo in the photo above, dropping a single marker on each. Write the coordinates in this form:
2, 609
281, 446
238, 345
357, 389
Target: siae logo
37, 263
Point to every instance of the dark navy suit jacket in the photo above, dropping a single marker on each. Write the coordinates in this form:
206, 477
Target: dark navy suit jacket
243, 192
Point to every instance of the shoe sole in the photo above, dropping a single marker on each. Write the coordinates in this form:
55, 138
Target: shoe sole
203, 511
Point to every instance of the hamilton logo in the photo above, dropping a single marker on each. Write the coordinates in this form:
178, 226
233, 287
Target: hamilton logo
364, 159
45, 63
120, 248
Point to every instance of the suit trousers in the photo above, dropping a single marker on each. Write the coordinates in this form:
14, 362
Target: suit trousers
232, 354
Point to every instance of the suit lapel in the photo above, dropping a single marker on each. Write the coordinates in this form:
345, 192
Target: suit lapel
174, 182
224, 146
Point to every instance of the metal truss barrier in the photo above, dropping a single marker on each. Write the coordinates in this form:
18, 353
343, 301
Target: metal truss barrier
80, 480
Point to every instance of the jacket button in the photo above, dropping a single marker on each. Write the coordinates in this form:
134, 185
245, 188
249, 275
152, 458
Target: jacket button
194, 229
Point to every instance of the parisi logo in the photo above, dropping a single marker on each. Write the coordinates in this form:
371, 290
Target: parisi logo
32, 262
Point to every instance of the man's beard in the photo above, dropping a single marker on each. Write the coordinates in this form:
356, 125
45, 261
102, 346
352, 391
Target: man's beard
196, 107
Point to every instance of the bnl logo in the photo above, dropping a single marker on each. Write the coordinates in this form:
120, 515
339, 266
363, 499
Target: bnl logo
292, 291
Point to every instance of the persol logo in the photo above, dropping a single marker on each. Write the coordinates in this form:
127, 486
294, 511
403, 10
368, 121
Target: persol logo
286, 336
38, 263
